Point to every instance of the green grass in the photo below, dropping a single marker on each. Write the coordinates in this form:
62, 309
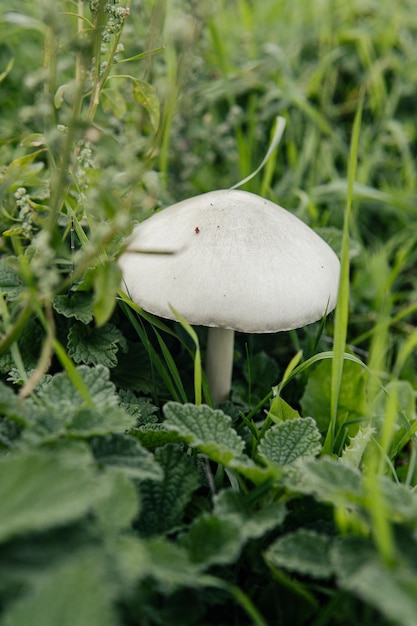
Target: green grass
125, 499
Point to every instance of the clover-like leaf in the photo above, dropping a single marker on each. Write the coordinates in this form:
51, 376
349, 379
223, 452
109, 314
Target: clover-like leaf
304, 551
287, 441
204, 428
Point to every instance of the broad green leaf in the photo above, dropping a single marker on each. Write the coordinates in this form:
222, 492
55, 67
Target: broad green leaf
208, 429
352, 398
41, 489
163, 501
391, 590
107, 278
281, 411
87, 422
10, 282
124, 453
327, 479
145, 94
94, 346
217, 538
59, 393
212, 540
287, 441
75, 593
170, 566
77, 305
118, 509
305, 552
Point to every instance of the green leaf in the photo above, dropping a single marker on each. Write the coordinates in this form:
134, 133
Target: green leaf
145, 94
287, 441
327, 479
140, 408
170, 566
119, 508
87, 422
77, 305
124, 453
107, 279
59, 396
217, 538
154, 435
354, 451
10, 282
41, 489
391, 590
281, 411
93, 346
212, 540
304, 551
352, 397
75, 593
208, 429
163, 501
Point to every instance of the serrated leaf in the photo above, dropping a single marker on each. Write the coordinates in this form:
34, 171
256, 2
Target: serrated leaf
107, 279
59, 397
208, 429
80, 580
304, 551
154, 435
77, 305
353, 452
289, 440
10, 282
140, 408
145, 94
89, 422
41, 489
124, 453
95, 346
163, 501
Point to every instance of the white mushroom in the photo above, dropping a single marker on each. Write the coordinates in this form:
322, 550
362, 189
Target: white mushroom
239, 262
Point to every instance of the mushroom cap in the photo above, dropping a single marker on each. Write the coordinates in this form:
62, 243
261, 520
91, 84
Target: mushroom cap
231, 259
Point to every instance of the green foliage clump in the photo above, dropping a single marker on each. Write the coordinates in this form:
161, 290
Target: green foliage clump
126, 500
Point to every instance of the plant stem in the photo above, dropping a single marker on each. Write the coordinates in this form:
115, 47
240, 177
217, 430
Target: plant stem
219, 362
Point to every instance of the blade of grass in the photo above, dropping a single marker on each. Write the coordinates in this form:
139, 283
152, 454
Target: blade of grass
197, 357
342, 308
276, 138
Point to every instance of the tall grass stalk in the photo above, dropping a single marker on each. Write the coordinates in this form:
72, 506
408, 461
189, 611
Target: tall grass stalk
342, 308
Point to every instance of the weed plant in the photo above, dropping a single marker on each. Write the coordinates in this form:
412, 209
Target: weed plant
127, 499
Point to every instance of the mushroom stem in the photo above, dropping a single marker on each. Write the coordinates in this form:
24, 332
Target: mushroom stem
219, 362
